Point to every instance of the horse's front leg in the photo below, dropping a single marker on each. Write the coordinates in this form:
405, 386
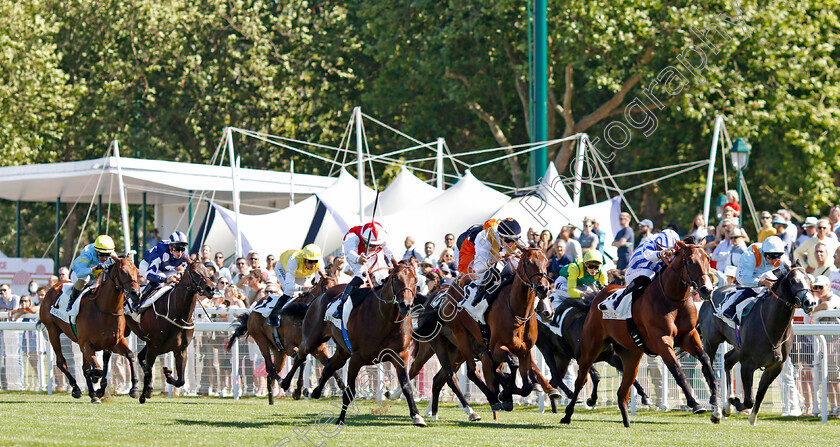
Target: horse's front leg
103, 382
665, 349
148, 374
180, 361
693, 346
91, 370
123, 350
535, 374
767, 378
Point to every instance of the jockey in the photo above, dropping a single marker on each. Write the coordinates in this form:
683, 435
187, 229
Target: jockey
644, 263
755, 269
293, 269
497, 240
160, 262
368, 255
91, 262
585, 272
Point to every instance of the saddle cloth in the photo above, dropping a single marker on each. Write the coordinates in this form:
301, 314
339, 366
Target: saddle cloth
147, 303
624, 311
558, 330
265, 306
61, 311
743, 308
348, 307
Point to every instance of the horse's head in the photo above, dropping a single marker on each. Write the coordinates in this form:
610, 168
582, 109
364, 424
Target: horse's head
124, 274
324, 284
794, 287
198, 279
402, 285
692, 264
532, 272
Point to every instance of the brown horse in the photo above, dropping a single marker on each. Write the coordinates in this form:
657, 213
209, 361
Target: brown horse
100, 325
378, 330
665, 317
289, 334
513, 332
167, 325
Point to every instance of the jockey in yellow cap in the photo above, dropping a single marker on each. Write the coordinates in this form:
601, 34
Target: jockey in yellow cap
91, 262
294, 268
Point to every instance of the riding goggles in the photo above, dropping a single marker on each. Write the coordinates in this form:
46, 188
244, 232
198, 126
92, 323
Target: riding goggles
592, 265
773, 255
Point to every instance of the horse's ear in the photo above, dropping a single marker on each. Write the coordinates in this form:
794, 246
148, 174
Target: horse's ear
394, 261
796, 264
680, 244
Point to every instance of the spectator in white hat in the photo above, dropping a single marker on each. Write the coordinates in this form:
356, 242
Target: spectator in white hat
809, 230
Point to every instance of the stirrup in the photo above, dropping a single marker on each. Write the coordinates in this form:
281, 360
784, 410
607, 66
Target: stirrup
339, 311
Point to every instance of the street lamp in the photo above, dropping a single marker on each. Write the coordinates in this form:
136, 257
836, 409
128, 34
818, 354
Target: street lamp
719, 203
740, 154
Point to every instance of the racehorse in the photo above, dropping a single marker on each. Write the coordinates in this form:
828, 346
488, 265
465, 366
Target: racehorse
288, 334
665, 317
378, 330
765, 337
167, 325
513, 332
100, 326
559, 351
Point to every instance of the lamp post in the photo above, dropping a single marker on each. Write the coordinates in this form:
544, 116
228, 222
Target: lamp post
740, 154
719, 203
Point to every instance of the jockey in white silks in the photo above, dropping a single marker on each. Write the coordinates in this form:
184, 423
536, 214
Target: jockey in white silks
293, 269
755, 270
368, 256
644, 263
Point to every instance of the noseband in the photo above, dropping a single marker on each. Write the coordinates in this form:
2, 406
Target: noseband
530, 281
195, 286
798, 297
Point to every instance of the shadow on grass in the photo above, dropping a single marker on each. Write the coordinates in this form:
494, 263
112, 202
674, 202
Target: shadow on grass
231, 424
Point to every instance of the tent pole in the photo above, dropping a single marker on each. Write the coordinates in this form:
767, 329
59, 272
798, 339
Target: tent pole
142, 242
17, 229
123, 204
99, 215
581, 153
190, 225
234, 177
291, 182
360, 165
707, 201
439, 163
57, 233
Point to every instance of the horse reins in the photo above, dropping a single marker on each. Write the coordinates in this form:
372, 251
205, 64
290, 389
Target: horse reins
530, 284
191, 288
692, 282
117, 282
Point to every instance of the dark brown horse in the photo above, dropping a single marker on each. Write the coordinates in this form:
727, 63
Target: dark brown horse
167, 325
378, 330
289, 334
513, 332
666, 317
100, 326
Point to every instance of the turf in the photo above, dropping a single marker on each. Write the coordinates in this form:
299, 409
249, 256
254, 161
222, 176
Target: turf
37, 419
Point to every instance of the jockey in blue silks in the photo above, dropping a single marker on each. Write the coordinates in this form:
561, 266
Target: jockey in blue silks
644, 263
755, 270
93, 259
160, 263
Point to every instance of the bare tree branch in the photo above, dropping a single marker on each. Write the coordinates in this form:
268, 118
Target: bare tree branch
500, 137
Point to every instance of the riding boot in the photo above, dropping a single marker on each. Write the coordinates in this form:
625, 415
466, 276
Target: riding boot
73, 295
355, 282
274, 316
148, 291
729, 312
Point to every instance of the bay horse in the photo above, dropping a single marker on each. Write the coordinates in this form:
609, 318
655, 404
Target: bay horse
665, 317
167, 325
558, 351
378, 329
513, 332
766, 334
289, 334
100, 326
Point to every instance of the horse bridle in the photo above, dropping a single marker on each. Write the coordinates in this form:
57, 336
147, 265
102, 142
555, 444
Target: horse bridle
117, 282
194, 286
798, 296
691, 282
529, 282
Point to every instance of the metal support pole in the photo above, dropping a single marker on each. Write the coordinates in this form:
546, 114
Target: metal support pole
99, 216
360, 164
740, 198
50, 369
171, 360
538, 159
581, 155
57, 234
291, 182
824, 378
17, 228
142, 241
439, 163
123, 201
190, 224
235, 179
136, 228
707, 201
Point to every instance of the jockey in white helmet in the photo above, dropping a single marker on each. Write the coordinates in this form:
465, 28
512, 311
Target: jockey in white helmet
755, 270
644, 263
368, 255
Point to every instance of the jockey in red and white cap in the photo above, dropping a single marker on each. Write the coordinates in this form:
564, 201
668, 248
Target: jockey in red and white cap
367, 254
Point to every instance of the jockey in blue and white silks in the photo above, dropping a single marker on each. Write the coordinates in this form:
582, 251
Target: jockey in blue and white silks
160, 263
91, 262
755, 270
644, 263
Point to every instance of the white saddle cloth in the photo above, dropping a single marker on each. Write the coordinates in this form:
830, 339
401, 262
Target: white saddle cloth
265, 306
624, 311
345, 315
60, 311
147, 303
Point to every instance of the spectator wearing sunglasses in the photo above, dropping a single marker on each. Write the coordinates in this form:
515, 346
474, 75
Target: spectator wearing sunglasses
825, 265
766, 229
805, 252
160, 264
221, 270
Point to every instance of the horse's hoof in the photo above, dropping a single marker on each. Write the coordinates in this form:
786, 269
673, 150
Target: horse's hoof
507, 406
100, 393
715, 419
142, 399
717, 415
285, 384
418, 421
315, 394
566, 420
474, 417
753, 418
77, 393
496, 407
698, 409
554, 394
591, 402
727, 410
387, 394
306, 392
132, 393
95, 400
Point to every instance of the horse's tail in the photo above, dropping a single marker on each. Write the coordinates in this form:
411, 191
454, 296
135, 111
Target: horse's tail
241, 329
